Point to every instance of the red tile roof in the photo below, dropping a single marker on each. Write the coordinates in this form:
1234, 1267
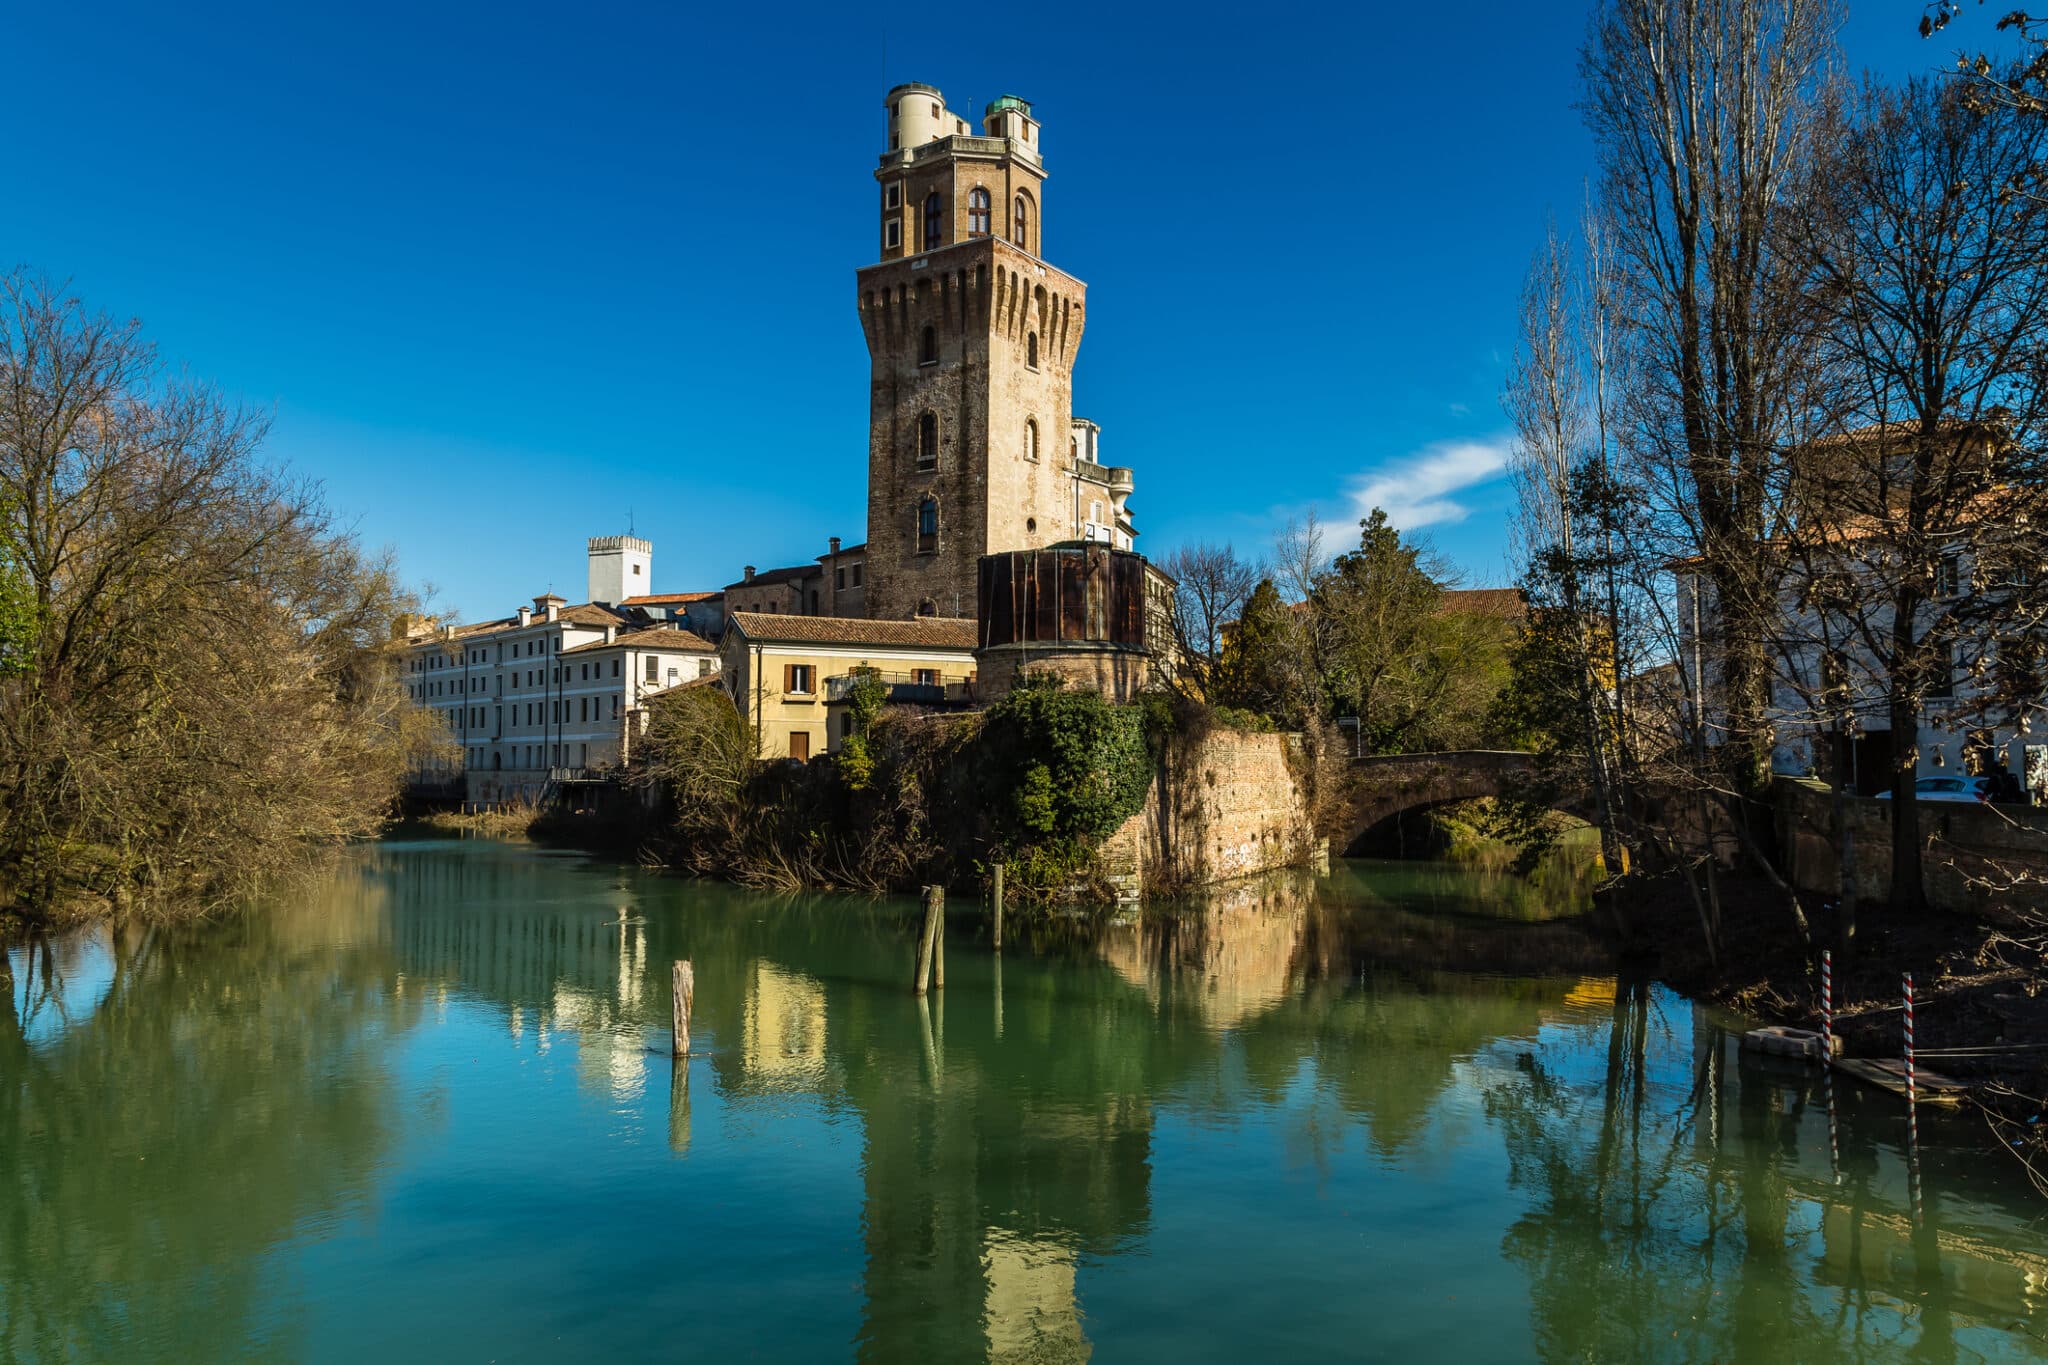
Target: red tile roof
923, 632
1505, 604
663, 599
654, 637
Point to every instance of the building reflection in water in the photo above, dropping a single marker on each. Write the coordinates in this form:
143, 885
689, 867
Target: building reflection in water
1656, 1182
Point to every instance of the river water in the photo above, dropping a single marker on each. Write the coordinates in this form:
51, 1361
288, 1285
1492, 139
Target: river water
425, 1111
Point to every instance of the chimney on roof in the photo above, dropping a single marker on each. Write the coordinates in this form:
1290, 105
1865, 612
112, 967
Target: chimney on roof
835, 545
749, 574
447, 632
611, 633
526, 616
554, 607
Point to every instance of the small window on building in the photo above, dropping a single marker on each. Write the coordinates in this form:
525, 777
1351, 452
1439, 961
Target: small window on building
1074, 449
703, 668
1031, 350
1031, 439
925, 677
796, 679
615, 668
892, 234
856, 575
937, 112
928, 347
934, 220
1020, 222
978, 213
1948, 577
839, 580
892, 196
928, 441
653, 669
928, 526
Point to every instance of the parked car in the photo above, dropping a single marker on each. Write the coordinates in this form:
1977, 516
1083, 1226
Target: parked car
1973, 789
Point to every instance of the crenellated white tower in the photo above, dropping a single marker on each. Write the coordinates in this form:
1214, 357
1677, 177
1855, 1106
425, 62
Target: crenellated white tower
620, 567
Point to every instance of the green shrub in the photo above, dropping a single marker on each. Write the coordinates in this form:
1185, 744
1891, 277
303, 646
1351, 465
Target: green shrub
1062, 763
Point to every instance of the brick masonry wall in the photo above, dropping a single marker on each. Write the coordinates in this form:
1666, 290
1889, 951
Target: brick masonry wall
1223, 805
1118, 674
985, 301
1969, 852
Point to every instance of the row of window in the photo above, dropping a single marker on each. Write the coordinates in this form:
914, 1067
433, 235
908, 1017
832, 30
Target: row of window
980, 218
928, 441
540, 677
928, 348
426, 663
534, 756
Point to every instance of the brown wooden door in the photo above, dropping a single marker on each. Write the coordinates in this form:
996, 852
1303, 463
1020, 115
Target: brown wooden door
800, 745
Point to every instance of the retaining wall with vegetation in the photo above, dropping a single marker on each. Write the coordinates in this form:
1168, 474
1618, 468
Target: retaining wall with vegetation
1223, 804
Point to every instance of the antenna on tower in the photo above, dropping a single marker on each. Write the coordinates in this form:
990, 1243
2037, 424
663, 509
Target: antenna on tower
629, 521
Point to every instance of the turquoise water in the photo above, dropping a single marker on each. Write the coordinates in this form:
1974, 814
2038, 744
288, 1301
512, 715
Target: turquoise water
425, 1111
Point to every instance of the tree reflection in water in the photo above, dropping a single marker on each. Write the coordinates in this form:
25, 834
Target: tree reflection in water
173, 1106
1141, 1132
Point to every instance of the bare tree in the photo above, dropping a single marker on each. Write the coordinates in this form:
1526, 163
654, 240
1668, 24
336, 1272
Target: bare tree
1703, 112
1919, 518
210, 684
1212, 585
1549, 398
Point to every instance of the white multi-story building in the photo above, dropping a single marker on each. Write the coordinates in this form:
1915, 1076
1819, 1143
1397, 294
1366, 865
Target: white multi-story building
552, 691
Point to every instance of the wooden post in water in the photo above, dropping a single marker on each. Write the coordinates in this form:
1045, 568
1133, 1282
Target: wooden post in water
679, 1104
939, 938
685, 987
921, 973
996, 893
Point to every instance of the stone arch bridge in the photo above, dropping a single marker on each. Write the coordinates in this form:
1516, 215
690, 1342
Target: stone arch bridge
1381, 787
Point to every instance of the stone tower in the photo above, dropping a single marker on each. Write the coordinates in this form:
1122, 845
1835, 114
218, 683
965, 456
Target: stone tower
972, 337
620, 567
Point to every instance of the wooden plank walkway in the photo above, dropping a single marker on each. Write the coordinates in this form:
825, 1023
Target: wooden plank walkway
1889, 1073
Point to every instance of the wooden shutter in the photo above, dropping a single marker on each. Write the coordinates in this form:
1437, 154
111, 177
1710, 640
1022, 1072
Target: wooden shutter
788, 678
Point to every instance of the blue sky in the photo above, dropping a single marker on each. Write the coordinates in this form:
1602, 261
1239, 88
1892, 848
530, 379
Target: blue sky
508, 275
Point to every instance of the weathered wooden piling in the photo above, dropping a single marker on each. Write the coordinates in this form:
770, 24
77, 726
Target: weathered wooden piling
921, 973
996, 895
685, 987
939, 938
679, 1105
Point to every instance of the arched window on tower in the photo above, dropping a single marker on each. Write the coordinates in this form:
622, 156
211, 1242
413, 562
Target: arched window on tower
934, 220
1031, 439
1020, 221
1031, 350
978, 224
928, 347
928, 526
928, 441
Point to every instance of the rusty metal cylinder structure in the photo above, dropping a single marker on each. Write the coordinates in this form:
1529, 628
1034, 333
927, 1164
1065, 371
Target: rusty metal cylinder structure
1066, 594
1081, 611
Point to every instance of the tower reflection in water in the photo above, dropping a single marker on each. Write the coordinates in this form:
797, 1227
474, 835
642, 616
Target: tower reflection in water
1162, 1109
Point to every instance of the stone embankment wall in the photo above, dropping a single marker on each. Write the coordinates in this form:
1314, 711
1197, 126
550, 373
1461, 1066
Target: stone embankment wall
1223, 804
1987, 861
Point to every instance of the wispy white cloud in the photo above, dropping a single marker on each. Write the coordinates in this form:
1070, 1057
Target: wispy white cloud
1461, 410
1416, 490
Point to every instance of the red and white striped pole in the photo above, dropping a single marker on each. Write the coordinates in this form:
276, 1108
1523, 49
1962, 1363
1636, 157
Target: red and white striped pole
1827, 1003
1912, 1086
1912, 1109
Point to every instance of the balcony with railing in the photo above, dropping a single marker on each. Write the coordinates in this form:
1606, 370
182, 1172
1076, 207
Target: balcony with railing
908, 689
